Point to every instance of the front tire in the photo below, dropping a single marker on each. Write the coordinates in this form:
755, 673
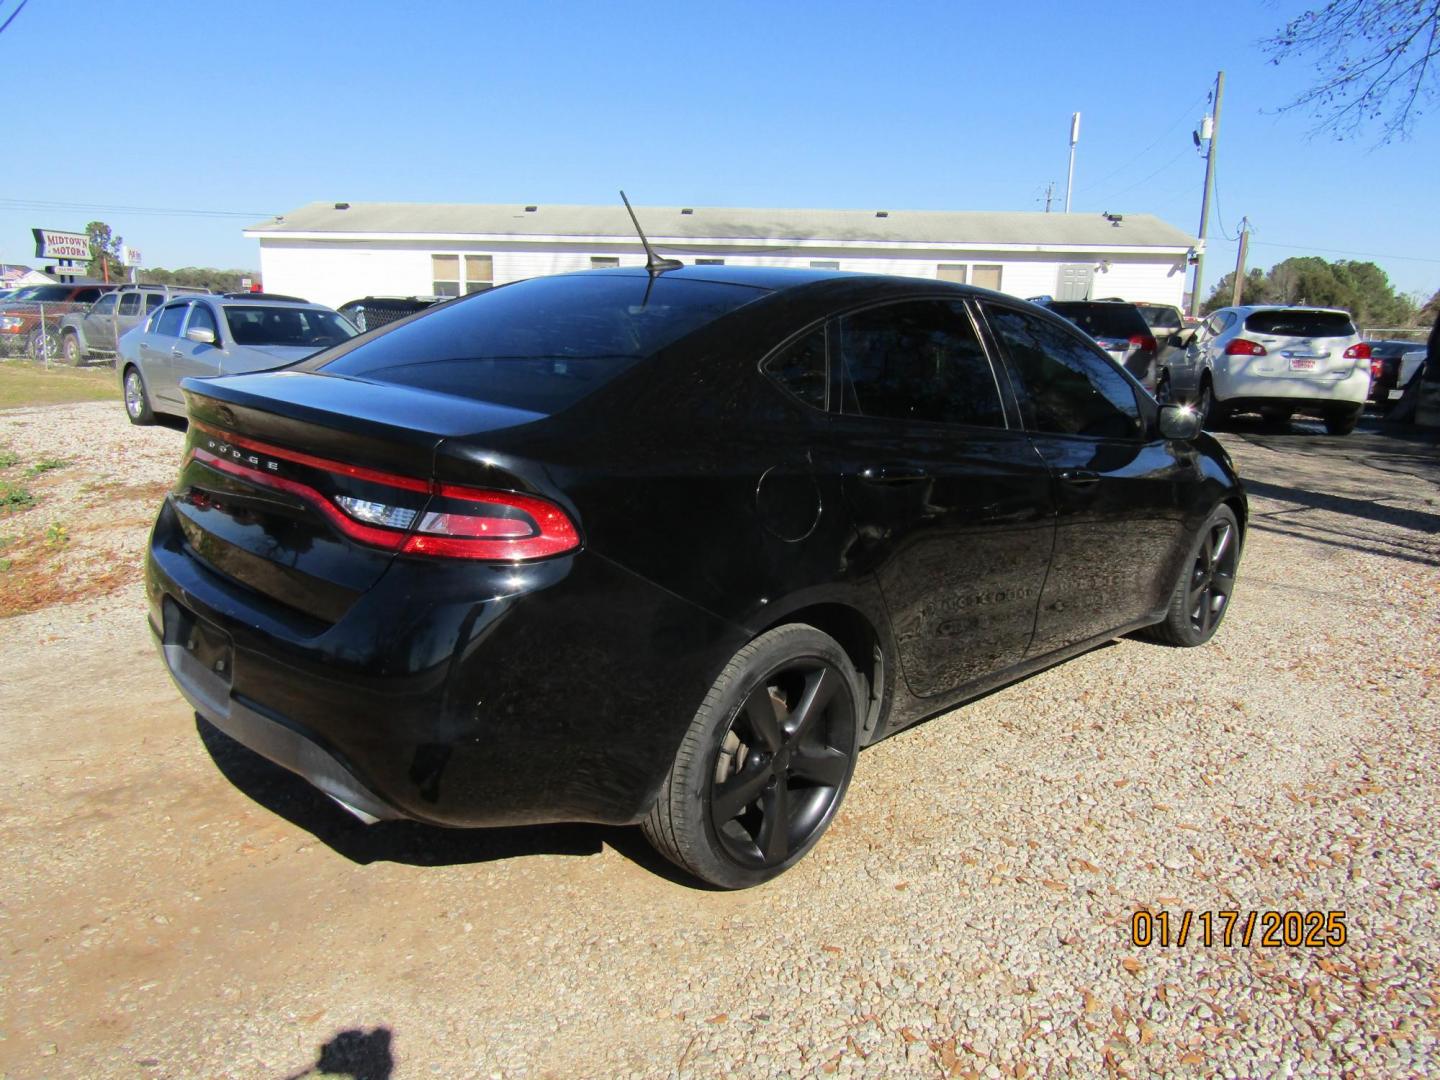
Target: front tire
1212, 413
765, 764
74, 354
137, 401
1201, 596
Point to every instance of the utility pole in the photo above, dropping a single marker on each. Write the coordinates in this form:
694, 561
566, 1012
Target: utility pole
1049, 194
1240, 263
1214, 137
1074, 138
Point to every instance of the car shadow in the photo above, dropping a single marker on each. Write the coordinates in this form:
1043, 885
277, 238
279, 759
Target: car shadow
411, 842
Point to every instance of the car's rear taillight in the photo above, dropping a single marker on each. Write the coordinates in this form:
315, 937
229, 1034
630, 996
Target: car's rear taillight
1143, 342
456, 521
1244, 347
1360, 351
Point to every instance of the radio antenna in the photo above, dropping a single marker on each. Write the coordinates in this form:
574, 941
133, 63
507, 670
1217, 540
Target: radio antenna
653, 262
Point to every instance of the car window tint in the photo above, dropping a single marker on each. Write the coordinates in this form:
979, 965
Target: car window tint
170, 320
541, 344
1066, 385
918, 360
87, 296
1160, 317
1102, 320
130, 304
202, 319
800, 368
1299, 323
265, 325
153, 301
105, 305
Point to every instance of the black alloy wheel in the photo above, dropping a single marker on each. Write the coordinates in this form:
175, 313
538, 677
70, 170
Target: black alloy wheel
1201, 596
766, 762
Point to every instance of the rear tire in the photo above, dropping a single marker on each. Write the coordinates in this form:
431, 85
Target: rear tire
1342, 423
137, 401
763, 768
1212, 413
1201, 596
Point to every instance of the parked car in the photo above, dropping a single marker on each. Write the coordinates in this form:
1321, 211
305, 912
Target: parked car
371, 312
1117, 327
669, 548
96, 330
1277, 361
30, 320
206, 336
1392, 365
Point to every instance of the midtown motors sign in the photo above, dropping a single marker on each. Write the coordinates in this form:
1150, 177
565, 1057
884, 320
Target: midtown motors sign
50, 244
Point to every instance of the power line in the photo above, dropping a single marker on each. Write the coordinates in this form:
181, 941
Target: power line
1161, 138
1183, 151
101, 208
6, 25
1339, 251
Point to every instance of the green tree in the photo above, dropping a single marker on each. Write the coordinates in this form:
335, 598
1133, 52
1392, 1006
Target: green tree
1361, 288
204, 277
1376, 61
105, 260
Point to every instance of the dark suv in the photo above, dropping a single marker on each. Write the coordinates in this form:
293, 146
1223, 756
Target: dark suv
1117, 327
371, 312
30, 320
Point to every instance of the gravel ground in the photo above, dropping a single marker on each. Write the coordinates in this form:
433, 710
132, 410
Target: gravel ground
176, 907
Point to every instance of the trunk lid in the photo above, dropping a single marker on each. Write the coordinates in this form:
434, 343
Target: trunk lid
302, 486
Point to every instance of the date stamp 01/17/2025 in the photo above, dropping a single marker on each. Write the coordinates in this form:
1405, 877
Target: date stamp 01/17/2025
1270, 929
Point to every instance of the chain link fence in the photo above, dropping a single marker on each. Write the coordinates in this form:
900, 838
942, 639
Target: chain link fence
30, 329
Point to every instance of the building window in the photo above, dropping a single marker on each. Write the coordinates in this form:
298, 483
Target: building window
951, 272
824, 264
709, 262
599, 262
986, 275
445, 279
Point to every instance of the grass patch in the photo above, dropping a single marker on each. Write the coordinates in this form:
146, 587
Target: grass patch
45, 465
14, 498
7, 458
24, 383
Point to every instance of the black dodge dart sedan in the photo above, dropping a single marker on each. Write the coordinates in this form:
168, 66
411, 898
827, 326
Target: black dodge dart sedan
669, 548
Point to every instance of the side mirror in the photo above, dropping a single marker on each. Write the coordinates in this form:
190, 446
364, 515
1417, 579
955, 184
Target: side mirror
1179, 422
201, 335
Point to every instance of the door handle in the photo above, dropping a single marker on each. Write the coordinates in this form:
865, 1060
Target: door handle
1079, 477
892, 474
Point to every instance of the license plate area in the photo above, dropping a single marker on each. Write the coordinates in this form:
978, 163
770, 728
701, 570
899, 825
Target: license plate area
1298, 363
206, 646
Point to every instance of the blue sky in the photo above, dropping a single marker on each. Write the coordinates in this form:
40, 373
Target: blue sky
256, 108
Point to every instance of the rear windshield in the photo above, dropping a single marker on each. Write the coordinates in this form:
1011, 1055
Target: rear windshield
1159, 317
1102, 320
541, 344
1292, 323
261, 325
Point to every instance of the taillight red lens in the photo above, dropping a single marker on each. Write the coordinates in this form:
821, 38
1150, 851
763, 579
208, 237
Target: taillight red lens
457, 522
1143, 342
1242, 347
1358, 352
1377, 368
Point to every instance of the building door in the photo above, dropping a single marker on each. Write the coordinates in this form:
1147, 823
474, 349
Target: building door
1074, 282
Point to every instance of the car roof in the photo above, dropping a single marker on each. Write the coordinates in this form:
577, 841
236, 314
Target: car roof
785, 278
235, 301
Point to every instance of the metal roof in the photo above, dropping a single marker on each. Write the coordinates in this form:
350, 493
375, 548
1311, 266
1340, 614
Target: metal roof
671, 223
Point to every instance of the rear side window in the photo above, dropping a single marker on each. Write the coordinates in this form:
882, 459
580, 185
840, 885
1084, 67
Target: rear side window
1102, 320
153, 300
541, 344
918, 360
170, 320
1300, 323
1065, 385
800, 368
130, 304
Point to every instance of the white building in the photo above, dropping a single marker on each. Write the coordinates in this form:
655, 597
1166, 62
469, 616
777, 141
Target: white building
334, 252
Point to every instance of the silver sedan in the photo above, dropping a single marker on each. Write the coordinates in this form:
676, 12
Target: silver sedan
206, 336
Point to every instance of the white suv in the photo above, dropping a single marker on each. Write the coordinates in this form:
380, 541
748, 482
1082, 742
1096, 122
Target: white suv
1276, 361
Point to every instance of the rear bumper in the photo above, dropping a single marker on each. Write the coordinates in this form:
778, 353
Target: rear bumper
460, 695
1300, 392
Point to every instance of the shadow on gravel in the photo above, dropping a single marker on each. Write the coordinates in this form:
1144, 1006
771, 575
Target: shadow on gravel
1398, 516
411, 842
356, 1053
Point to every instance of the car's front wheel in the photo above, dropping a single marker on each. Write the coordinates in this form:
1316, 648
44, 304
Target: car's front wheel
137, 401
764, 766
1201, 596
74, 354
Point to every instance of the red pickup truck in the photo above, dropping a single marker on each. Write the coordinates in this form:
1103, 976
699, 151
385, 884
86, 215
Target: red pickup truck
30, 320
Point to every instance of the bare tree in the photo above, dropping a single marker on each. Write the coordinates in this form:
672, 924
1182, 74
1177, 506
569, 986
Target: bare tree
1376, 60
